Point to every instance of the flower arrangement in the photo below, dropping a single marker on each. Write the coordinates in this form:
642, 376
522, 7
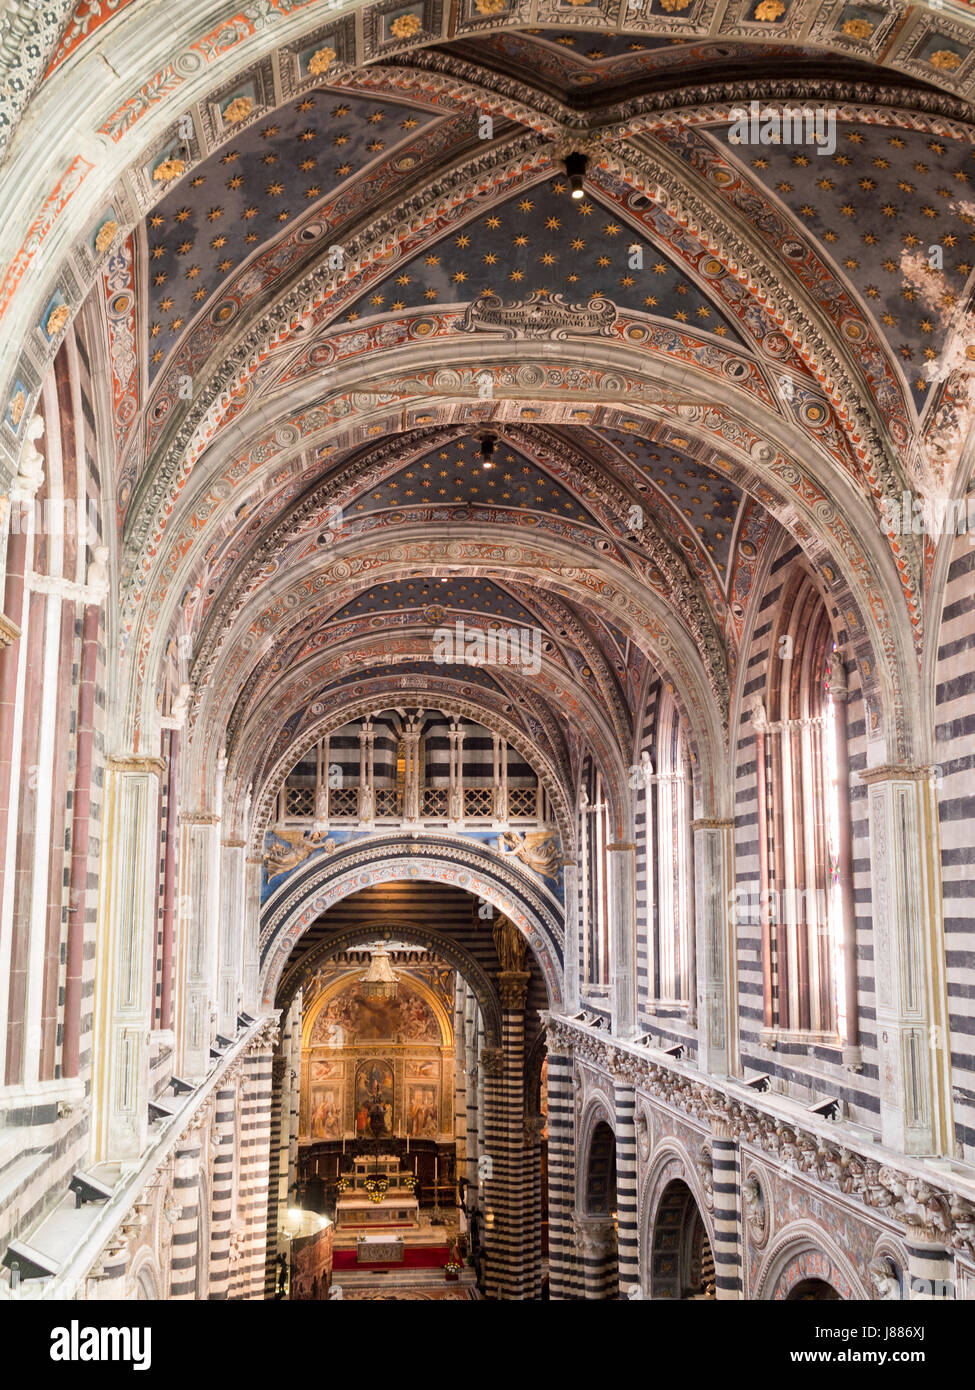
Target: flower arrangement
377, 1188
409, 1181
343, 1184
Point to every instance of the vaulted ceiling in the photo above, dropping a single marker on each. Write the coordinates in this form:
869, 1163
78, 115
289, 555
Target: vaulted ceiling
355, 250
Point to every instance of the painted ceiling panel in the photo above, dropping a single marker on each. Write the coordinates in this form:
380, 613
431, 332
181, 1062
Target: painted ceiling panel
250, 192
546, 241
704, 498
577, 64
439, 600
455, 474
882, 194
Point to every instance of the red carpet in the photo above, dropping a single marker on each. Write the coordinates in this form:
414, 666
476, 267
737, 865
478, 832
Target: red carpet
414, 1257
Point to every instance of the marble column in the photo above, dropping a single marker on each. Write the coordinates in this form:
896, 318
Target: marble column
198, 952
622, 871
595, 1242
727, 1206
230, 983
81, 818
930, 1267
222, 1162
125, 957
572, 947
909, 961
628, 1235
847, 986
716, 950
253, 867
185, 1250
255, 1146
562, 1255
471, 1148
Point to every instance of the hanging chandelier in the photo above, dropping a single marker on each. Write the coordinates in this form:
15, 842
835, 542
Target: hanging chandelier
379, 982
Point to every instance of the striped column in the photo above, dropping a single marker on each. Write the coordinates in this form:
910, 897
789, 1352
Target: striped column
930, 1268
255, 1143
493, 1191
627, 1231
222, 1192
460, 1075
595, 1240
471, 1030
277, 1171
186, 1230
532, 1167
724, 1167
562, 1259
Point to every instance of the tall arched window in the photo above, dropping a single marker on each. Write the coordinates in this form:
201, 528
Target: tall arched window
671, 965
804, 846
594, 882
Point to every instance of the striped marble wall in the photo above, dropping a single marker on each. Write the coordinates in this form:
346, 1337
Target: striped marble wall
954, 751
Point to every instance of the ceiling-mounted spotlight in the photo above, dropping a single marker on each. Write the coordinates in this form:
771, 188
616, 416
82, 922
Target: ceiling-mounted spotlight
576, 165
488, 445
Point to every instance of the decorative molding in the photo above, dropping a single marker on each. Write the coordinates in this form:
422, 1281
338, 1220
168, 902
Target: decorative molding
133, 763
545, 316
9, 632
927, 1204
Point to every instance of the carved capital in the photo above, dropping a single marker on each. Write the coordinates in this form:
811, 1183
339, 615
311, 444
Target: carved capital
491, 1061
133, 763
9, 632
513, 989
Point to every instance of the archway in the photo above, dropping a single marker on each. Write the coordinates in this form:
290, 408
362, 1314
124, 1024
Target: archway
813, 1291
440, 1059
596, 1214
682, 1261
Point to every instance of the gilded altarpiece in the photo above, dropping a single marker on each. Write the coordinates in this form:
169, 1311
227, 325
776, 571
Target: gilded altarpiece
377, 1066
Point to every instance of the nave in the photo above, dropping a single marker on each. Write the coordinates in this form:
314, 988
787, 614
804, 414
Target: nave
486, 679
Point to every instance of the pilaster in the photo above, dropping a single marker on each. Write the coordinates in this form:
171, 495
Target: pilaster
125, 959
909, 961
716, 951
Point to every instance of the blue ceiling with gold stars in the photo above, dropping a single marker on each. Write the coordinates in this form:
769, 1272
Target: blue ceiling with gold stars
545, 241
881, 194
455, 473
704, 498
246, 195
469, 675
438, 598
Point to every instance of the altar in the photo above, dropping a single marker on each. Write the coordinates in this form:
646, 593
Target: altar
378, 1195
378, 1222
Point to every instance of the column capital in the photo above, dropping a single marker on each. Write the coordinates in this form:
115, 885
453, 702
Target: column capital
132, 762
491, 1061
621, 845
198, 818
9, 632
713, 823
513, 989
234, 844
896, 772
